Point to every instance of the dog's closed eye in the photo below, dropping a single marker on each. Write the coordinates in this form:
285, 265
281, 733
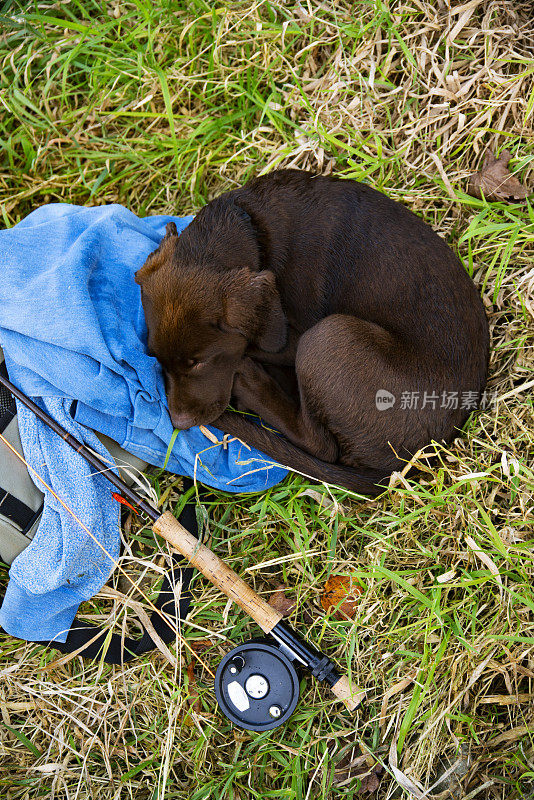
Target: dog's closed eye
194, 364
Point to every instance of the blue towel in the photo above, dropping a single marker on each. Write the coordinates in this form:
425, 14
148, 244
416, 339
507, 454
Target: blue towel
73, 332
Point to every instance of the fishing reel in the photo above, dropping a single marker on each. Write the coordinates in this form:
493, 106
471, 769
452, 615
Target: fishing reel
257, 685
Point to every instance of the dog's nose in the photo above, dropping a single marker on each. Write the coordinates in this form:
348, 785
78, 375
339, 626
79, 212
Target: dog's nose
182, 421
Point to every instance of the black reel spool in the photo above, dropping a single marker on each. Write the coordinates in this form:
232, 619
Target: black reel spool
257, 685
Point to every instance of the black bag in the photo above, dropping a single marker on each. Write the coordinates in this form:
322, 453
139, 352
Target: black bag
21, 505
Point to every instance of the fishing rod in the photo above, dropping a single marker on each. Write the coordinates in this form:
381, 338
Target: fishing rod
256, 683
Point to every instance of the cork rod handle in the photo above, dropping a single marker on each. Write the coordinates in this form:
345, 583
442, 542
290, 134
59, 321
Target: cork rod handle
351, 696
217, 571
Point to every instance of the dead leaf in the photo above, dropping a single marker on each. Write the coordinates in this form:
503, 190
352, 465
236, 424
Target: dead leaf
506, 699
193, 691
495, 181
341, 591
209, 435
281, 602
512, 735
192, 702
355, 765
201, 645
487, 561
446, 576
51, 768
20, 708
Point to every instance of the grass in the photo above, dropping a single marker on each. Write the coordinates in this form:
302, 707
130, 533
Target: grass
161, 106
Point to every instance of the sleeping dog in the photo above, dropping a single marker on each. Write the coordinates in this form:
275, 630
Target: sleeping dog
332, 312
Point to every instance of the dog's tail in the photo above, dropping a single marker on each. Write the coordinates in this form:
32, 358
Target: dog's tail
364, 481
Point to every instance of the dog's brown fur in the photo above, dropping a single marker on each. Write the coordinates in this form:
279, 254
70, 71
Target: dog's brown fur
301, 297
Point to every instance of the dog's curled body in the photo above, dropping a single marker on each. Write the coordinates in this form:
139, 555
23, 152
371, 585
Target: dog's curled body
307, 299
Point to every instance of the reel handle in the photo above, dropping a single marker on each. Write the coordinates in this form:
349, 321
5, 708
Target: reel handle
225, 579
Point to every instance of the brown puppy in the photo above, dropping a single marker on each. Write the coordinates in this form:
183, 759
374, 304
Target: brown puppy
329, 310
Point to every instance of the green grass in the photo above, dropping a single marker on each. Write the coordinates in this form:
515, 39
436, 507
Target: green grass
161, 107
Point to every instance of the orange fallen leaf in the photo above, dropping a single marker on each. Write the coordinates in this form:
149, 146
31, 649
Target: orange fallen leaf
341, 592
193, 691
201, 645
495, 181
192, 700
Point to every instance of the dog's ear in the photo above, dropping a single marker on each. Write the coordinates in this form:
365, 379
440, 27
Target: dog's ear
272, 333
153, 263
253, 308
149, 266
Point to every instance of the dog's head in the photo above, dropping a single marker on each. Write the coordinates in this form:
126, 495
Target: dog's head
206, 300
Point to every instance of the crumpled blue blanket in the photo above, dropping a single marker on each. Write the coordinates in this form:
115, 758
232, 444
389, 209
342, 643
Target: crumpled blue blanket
72, 328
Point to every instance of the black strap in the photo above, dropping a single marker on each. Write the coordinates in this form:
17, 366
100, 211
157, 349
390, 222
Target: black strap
16, 511
12, 508
173, 607
8, 407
